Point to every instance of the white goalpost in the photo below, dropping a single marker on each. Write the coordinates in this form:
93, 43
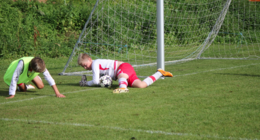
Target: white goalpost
162, 32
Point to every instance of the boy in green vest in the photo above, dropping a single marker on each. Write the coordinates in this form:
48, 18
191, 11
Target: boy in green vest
27, 69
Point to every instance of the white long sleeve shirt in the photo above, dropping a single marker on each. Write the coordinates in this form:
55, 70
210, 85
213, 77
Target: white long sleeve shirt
19, 70
102, 67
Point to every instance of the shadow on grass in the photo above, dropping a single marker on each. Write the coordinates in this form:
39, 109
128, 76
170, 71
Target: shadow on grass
69, 84
114, 86
5, 93
239, 74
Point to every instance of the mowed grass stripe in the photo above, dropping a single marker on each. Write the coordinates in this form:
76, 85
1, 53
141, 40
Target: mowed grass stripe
127, 129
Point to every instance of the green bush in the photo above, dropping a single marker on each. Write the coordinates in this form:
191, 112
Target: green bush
46, 29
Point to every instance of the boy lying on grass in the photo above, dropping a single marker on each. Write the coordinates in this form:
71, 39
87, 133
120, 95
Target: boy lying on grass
27, 69
122, 71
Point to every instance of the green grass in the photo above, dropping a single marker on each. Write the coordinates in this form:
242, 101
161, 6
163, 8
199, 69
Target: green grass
206, 99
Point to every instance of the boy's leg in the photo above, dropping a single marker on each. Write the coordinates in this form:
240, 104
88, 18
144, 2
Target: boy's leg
139, 84
151, 79
22, 87
122, 80
38, 82
126, 77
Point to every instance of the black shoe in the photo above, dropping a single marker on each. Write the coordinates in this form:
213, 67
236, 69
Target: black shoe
83, 81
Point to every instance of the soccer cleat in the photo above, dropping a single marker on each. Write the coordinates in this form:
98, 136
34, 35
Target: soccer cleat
28, 87
83, 81
165, 73
121, 90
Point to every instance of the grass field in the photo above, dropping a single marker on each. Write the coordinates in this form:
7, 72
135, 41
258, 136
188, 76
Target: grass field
206, 99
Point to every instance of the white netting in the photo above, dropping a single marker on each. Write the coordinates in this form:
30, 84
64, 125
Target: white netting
126, 30
239, 35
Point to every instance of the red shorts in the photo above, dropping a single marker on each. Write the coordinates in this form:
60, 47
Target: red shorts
129, 70
19, 84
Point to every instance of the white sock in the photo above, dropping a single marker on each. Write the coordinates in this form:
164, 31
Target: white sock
122, 83
151, 79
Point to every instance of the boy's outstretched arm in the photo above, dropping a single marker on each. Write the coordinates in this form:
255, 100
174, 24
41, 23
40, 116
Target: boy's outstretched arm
51, 82
58, 94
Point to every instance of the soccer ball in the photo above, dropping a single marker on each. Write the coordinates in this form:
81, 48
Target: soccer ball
105, 81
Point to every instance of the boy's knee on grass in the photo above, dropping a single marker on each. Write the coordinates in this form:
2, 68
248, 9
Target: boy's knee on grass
40, 86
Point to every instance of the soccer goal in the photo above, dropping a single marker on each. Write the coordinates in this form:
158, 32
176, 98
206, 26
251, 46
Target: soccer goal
138, 32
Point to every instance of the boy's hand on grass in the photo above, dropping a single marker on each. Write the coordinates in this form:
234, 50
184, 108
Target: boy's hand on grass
12, 96
60, 95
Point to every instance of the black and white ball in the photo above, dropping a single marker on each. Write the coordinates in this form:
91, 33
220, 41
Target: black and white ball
105, 81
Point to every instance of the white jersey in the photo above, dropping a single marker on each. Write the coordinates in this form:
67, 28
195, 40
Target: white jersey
103, 67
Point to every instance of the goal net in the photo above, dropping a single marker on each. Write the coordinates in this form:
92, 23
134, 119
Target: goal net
126, 30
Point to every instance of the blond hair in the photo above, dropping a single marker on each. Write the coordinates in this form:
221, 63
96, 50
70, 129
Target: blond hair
37, 64
82, 57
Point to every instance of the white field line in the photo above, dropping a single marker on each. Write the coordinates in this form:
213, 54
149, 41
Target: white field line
127, 129
45, 96
216, 70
